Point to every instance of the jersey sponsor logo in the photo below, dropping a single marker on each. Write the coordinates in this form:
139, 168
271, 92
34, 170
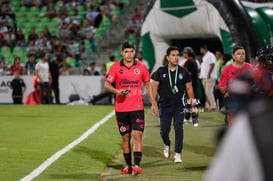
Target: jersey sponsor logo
122, 129
128, 83
120, 71
137, 71
140, 121
110, 78
164, 75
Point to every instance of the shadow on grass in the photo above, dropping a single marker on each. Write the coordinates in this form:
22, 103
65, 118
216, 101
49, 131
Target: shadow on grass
151, 151
198, 149
75, 176
194, 168
212, 126
94, 154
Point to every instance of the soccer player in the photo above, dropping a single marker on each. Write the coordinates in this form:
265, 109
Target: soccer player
127, 76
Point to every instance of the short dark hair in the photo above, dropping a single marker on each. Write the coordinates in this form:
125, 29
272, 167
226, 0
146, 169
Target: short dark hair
42, 54
127, 44
205, 47
112, 58
171, 48
226, 58
237, 47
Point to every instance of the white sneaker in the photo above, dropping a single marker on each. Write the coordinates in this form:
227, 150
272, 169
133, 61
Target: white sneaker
187, 121
166, 151
195, 124
177, 158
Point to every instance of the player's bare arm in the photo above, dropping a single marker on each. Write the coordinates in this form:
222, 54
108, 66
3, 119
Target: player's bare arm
152, 97
112, 89
191, 95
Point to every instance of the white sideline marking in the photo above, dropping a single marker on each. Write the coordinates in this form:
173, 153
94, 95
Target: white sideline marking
58, 154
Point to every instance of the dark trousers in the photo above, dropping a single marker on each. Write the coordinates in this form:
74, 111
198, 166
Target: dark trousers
45, 93
17, 99
56, 91
166, 115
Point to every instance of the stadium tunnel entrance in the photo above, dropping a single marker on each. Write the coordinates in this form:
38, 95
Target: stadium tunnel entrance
214, 43
219, 24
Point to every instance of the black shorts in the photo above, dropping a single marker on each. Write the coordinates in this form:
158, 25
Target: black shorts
128, 121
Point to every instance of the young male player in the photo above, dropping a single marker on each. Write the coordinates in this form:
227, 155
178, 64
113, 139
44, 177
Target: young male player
127, 76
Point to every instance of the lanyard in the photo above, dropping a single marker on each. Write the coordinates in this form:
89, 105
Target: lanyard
175, 78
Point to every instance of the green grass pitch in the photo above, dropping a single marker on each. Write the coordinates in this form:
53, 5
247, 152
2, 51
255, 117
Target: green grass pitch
31, 134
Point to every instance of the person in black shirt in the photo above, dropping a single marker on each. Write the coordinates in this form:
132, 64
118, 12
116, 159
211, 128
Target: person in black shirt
18, 87
191, 65
170, 82
54, 70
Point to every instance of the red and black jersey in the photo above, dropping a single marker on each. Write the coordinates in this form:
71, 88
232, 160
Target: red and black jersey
231, 72
128, 78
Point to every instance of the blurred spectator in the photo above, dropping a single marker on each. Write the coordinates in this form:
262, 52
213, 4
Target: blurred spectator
86, 72
60, 49
208, 74
47, 33
5, 20
18, 87
103, 69
30, 65
88, 33
44, 46
4, 66
7, 9
32, 49
28, 3
231, 72
63, 31
94, 16
20, 39
110, 63
40, 39
74, 30
65, 68
63, 19
3, 33
141, 8
75, 50
140, 58
16, 67
108, 10
51, 12
62, 10
120, 4
93, 69
10, 40
14, 28
76, 18
134, 24
33, 97
2, 40
44, 79
33, 35
54, 70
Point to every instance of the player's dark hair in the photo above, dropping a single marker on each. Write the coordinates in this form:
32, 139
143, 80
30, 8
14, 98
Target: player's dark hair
112, 58
127, 44
237, 47
205, 47
171, 48
191, 54
226, 58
